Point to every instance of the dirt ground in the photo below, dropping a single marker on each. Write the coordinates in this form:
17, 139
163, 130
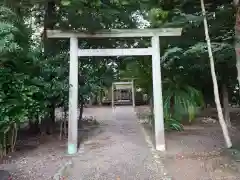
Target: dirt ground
39, 158
199, 153
36, 160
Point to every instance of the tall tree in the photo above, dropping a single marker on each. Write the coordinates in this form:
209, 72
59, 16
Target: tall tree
237, 38
214, 79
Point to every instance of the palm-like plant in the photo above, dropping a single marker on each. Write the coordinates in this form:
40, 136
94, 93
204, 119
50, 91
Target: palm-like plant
179, 100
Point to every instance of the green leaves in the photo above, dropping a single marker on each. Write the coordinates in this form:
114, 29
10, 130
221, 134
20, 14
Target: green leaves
180, 100
157, 17
65, 2
16, 90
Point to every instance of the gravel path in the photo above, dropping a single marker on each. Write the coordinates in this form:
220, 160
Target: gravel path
119, 152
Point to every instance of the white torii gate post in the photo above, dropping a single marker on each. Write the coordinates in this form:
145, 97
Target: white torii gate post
73, 97
153, 51
157, 93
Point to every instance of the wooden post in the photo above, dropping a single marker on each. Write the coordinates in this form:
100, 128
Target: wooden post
73, 97
133, 94
157, 95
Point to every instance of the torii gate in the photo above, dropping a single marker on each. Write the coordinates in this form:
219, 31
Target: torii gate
153, 51
129, 85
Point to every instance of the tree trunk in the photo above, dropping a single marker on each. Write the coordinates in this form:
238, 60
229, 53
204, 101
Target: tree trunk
34, 126
226, 105
172, 104
152, 110
214, 79
237, 38
100, 98
49, 23
237, 41
51, 123
95, 99
65, 120
81, 112
90, 101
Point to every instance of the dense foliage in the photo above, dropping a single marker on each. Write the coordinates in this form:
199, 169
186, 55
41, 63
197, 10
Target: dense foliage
185, 64
34, 69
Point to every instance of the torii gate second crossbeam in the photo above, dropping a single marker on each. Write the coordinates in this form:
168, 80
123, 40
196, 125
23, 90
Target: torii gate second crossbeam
153, 51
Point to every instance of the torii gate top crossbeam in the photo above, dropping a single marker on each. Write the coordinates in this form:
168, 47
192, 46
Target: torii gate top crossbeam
114, 33
123, 85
